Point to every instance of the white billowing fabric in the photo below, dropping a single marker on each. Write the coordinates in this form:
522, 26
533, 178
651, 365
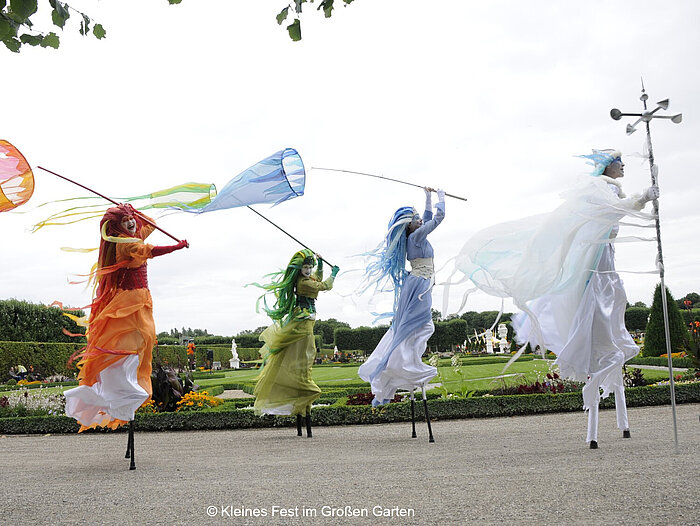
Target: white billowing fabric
280, 411
559, 270
117, 393
549, 253
404, 369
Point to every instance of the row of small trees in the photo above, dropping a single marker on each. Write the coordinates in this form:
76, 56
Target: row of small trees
23, 321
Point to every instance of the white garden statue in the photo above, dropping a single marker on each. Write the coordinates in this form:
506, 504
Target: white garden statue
488, 336
503, 337
234, 362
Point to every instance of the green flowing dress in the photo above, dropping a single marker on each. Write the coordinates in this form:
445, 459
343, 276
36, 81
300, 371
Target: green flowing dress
284, 385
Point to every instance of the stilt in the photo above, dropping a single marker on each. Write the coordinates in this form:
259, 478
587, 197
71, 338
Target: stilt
413, 414
129, 439
427, 416
621, 411
132, 464
298, 425
308, 423
592, 436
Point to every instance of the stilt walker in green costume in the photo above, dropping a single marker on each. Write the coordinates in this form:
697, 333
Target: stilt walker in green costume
284, 385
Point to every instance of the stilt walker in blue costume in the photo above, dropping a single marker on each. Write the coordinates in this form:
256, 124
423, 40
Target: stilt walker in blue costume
396, 362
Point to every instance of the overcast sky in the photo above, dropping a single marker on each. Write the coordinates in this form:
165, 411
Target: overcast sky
489, 100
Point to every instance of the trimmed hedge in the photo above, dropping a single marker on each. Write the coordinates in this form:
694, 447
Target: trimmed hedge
47, 358
50, 358
484, 407
213, 390
37, 386
661, 361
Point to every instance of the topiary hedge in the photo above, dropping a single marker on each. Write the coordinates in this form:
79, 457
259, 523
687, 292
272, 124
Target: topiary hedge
661, 361
47, 358
482, 407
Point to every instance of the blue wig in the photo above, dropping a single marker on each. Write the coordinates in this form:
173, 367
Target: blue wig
387, 269
600, 159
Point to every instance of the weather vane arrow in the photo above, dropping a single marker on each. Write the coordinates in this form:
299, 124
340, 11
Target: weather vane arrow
646, 117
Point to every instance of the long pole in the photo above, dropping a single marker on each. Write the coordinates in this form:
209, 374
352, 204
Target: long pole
382, 177
660, 259
110, 200
283, 230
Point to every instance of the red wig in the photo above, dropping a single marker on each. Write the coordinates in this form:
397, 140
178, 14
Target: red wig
107, 260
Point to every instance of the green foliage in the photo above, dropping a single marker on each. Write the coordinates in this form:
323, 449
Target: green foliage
213, 390
636, 318
47, 358
480, 321
361, 339
327, 329
692, 297
17, 23
21, 321
660, 361
655, 338
169, 388
448, 333
295, 8
249, 340
474, 407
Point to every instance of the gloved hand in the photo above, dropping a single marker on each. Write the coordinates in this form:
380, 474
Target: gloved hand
441, 195
334, 271
319, 261
159, 251
650, 194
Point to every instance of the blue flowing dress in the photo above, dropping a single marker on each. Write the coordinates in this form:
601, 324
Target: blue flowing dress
396, 362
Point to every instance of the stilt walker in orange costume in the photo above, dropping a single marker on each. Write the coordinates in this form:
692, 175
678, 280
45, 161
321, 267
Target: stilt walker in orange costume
115, 366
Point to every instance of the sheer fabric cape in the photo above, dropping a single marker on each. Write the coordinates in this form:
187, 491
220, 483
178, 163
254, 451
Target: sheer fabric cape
548, 259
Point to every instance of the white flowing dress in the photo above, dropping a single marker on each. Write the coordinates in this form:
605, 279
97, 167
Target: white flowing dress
559, 269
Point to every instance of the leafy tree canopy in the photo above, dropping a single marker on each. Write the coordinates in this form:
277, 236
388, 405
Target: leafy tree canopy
18, 18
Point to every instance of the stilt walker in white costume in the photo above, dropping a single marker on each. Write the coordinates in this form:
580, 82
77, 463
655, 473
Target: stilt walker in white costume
396, 362
559, 268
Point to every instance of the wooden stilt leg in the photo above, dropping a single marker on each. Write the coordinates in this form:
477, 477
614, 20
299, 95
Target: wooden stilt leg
132, 465
427, 416
298, 425
413, 415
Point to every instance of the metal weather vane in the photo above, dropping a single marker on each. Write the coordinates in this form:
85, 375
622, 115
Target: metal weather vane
647, 116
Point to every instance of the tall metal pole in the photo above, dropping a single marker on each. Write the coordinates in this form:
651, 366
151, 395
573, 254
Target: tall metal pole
646, 116
660, 263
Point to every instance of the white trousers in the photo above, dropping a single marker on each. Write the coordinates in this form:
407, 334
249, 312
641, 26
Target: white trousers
620, 410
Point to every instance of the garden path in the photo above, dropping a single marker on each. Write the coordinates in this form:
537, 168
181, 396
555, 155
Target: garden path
523, 470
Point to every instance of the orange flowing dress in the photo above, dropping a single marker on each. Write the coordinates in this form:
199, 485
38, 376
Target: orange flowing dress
115, 368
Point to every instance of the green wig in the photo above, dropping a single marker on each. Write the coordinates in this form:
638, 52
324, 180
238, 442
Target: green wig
282, 286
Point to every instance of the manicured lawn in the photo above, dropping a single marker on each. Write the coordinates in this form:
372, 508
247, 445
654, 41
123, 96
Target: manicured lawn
475, 377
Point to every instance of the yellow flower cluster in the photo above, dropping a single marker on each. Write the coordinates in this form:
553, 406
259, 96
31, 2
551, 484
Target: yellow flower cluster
27, 382
196, 400
147, 407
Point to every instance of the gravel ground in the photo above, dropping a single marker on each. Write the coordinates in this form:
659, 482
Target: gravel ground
519, 470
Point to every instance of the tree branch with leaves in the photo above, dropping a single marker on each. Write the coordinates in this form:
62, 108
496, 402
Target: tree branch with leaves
295, 8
